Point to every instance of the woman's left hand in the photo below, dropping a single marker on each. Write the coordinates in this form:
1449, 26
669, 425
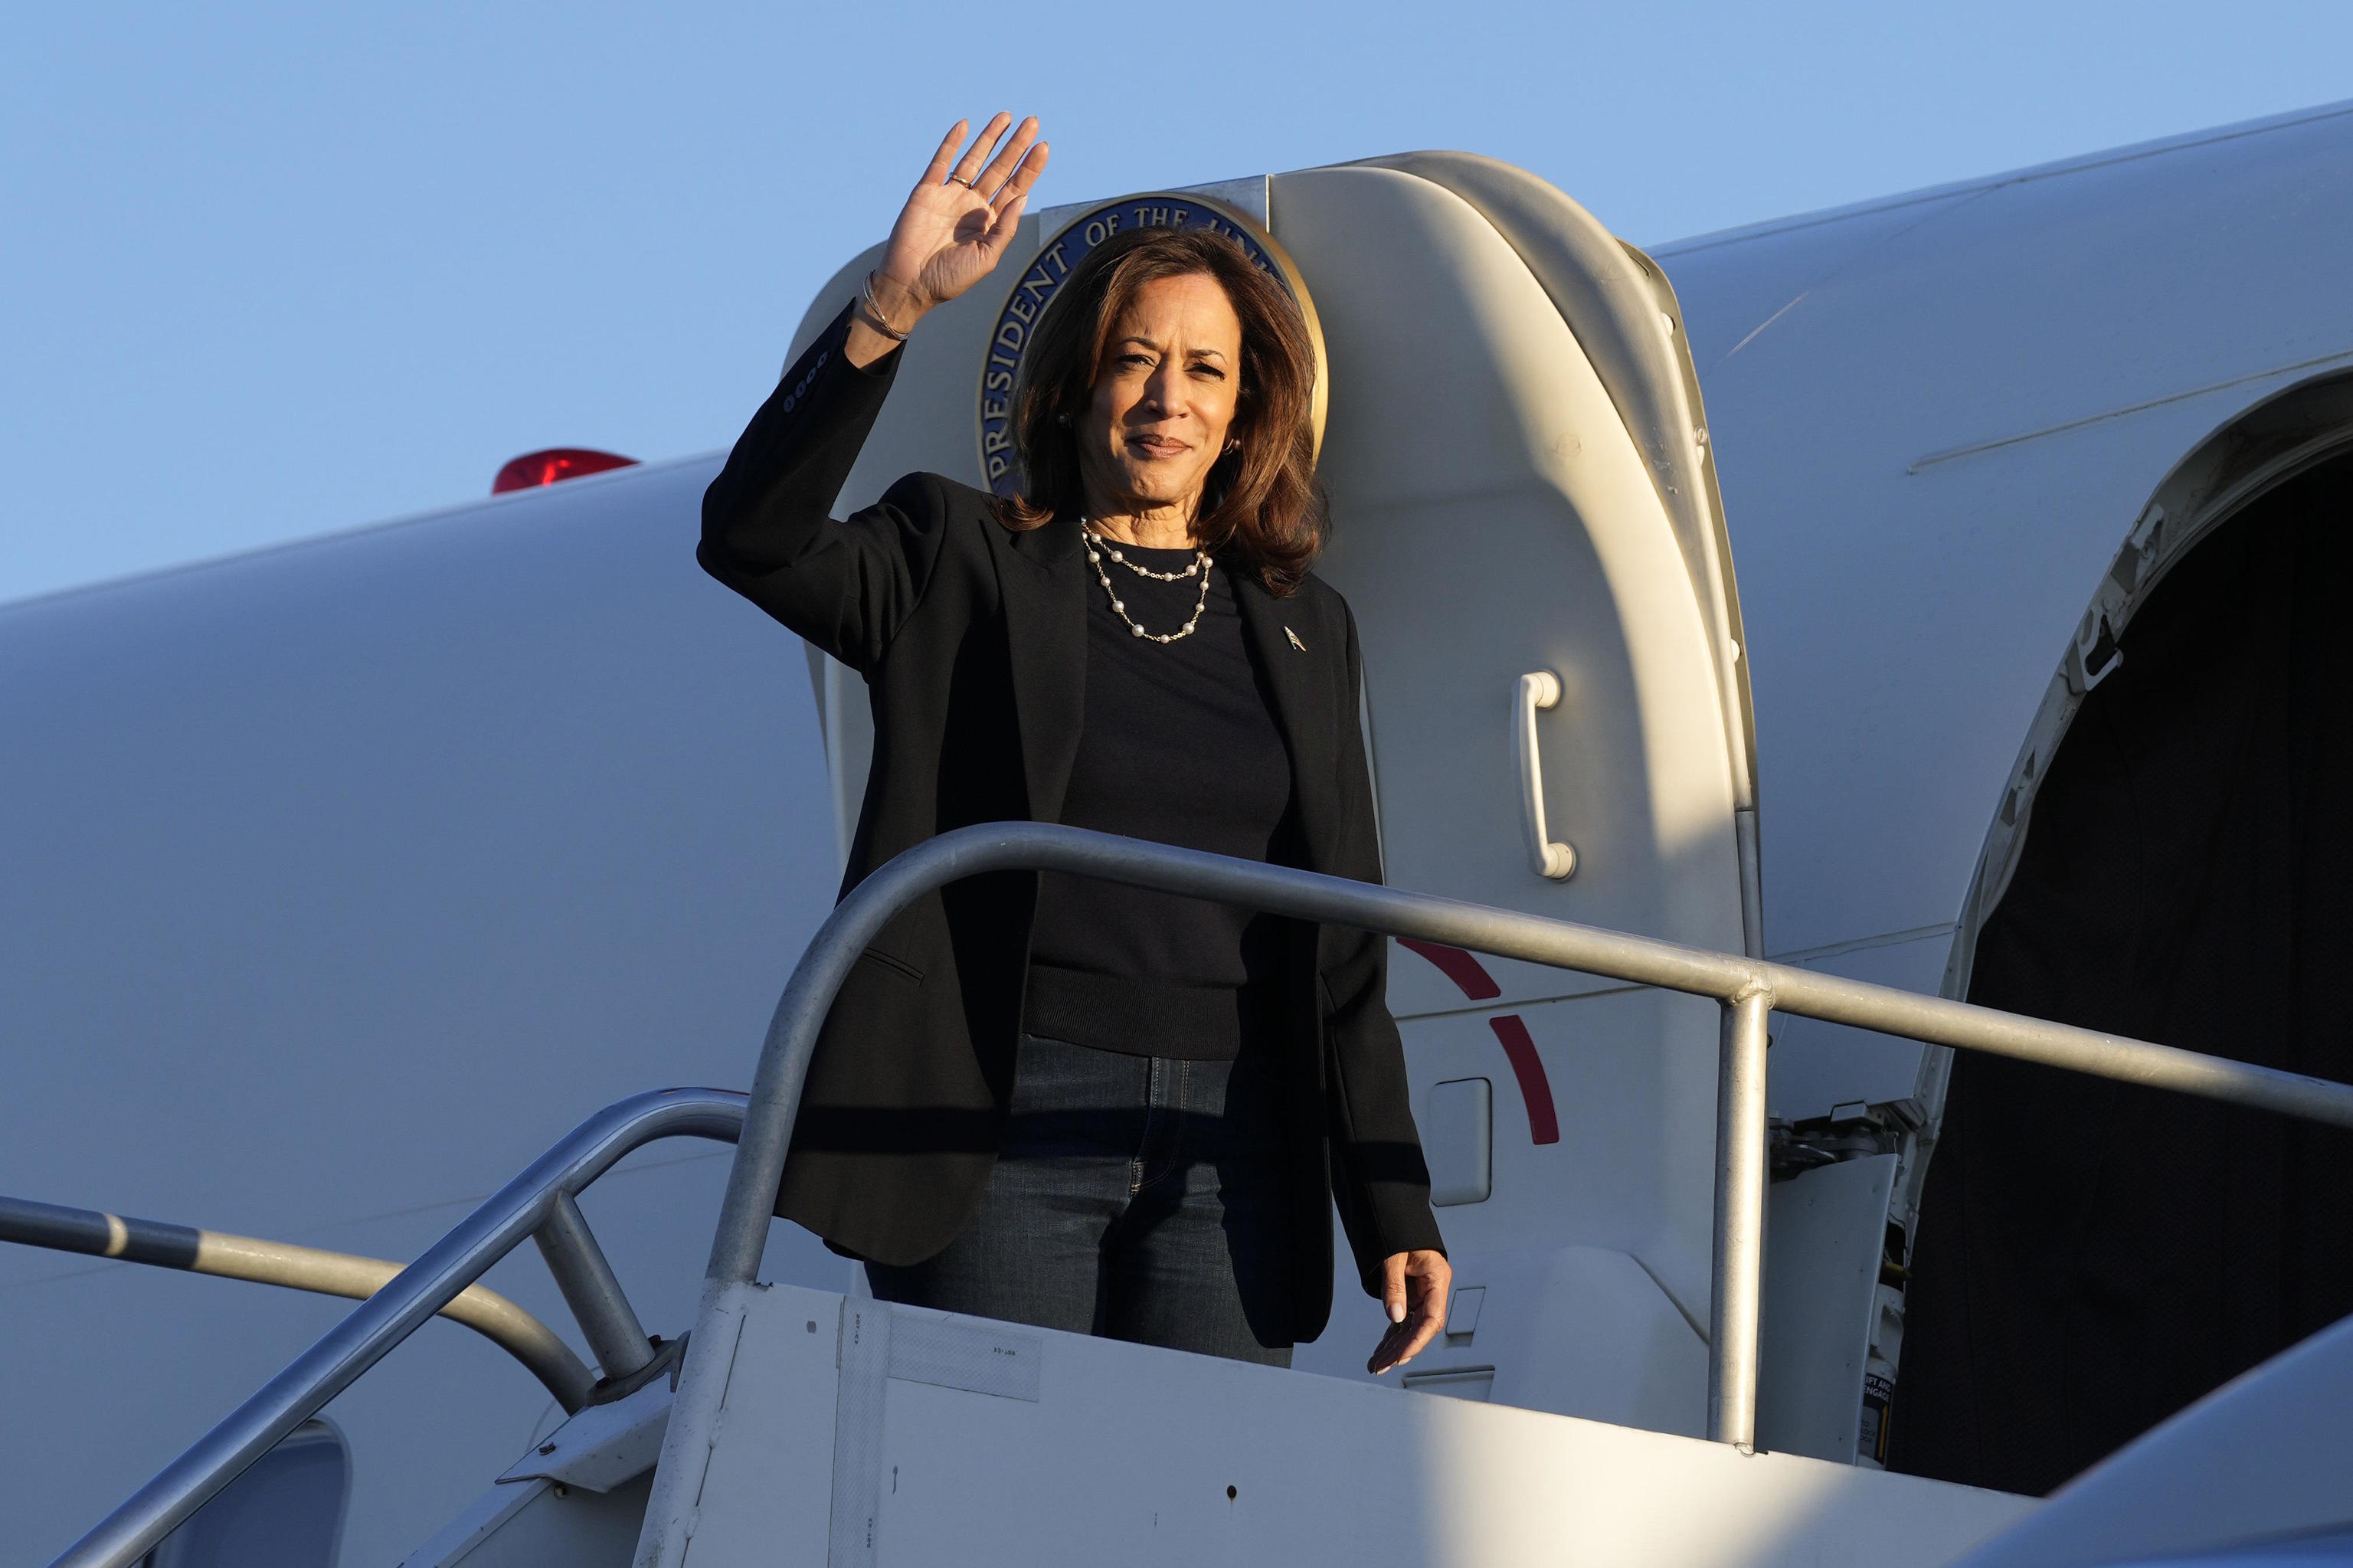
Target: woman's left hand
1414, 1287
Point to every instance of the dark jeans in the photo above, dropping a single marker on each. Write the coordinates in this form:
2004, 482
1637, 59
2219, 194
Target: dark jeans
1137, 1197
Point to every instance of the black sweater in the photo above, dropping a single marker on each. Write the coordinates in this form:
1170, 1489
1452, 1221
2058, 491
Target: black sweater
1178, 746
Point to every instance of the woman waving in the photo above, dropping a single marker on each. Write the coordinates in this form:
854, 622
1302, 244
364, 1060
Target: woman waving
1042, 1098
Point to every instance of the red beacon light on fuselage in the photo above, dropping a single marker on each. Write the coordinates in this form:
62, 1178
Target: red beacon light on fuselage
554, 466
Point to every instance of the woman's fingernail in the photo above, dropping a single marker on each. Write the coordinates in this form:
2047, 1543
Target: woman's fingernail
1397, 1311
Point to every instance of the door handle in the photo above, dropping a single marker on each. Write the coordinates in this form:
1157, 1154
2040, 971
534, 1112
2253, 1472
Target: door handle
1538, 689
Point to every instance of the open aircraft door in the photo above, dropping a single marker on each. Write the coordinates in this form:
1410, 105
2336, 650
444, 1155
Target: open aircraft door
1520, 485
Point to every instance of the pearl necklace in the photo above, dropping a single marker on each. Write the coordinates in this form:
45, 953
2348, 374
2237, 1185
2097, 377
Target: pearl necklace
1104, 544
1098, 547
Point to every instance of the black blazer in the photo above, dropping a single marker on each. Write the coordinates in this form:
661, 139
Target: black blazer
971, 640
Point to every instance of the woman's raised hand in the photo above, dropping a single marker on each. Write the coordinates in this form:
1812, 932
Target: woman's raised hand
960, 216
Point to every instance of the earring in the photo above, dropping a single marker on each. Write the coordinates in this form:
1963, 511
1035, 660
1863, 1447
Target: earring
1233, 447
1063, 420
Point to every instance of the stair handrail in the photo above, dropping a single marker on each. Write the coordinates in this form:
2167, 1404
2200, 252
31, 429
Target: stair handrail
1748, 990
515, 1213
159, 1244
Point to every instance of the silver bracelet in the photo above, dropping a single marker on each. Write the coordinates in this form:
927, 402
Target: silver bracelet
874, 316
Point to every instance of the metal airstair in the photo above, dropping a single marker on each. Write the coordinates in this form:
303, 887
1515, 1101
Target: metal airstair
775, 1405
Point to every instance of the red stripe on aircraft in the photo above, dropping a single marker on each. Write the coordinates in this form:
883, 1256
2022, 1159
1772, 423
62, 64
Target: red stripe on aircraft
1459, 966
1535, 1089
1464, 969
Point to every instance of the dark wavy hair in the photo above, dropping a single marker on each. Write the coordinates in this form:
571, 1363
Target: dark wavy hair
1261, 504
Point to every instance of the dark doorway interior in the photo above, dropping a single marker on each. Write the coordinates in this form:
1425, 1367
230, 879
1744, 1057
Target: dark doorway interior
2091, 1256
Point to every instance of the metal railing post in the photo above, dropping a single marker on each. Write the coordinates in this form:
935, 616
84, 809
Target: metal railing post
592, 1289
1739, 1271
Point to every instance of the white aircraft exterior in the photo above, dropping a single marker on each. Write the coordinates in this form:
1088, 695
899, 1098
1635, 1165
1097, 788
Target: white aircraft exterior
344, 877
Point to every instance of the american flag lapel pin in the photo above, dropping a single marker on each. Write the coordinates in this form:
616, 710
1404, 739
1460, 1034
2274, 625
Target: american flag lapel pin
1294, 640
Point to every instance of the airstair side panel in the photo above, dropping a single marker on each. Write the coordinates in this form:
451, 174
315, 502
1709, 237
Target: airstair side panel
853, 1432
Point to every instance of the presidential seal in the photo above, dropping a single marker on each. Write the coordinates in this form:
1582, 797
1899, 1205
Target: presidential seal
1034, 291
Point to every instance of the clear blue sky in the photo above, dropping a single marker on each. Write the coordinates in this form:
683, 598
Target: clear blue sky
268, 274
